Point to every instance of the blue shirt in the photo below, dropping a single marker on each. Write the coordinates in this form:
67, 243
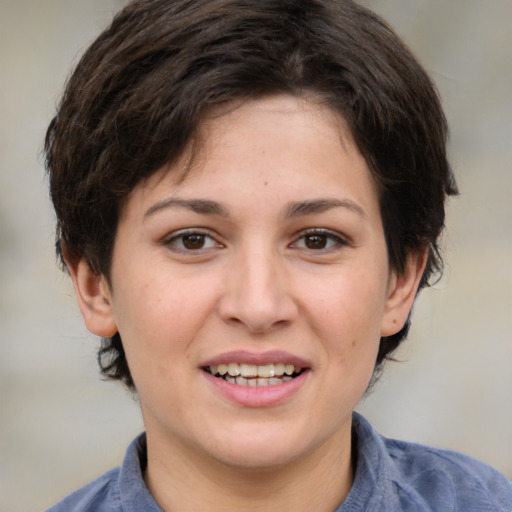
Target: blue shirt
391, 476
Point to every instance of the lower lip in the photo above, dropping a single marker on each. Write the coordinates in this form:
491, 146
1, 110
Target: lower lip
257, 396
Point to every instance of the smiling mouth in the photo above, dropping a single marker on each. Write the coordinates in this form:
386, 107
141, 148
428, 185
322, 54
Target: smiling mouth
251, 375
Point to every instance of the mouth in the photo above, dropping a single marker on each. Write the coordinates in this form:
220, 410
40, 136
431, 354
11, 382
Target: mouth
251, 375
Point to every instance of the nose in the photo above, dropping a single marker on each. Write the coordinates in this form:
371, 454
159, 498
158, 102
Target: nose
257, 293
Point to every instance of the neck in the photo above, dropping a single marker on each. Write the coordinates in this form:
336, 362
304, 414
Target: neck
181, 480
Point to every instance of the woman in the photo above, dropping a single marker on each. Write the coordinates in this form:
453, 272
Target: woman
249, 196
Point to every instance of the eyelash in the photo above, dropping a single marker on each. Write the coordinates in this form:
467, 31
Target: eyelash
176, 240
336, 239
180, 237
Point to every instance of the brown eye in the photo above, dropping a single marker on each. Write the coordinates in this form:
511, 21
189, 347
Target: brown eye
190, 241
315, 241
193, 242
319, 240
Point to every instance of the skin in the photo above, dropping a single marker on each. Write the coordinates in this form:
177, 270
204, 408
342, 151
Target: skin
252, 278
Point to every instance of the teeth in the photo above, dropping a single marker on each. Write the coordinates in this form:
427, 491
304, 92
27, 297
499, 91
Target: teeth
253, 375
288, 369
266, 371
242, 381
249, 370
278, 369
233, 369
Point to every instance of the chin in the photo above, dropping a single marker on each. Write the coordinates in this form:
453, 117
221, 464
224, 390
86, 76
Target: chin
264, 448
259, 459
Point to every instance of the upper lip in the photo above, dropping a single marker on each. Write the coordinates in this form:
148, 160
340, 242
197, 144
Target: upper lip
257, 358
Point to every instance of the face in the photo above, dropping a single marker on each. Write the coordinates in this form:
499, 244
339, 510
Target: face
251, 296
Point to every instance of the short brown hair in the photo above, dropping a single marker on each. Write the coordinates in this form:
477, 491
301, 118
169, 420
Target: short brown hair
141, 90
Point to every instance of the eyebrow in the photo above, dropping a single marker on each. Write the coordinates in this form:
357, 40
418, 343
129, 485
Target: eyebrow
315, 206
201, 206
292, 210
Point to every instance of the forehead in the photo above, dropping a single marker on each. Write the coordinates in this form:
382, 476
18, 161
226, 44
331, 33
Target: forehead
280, 142
251, 119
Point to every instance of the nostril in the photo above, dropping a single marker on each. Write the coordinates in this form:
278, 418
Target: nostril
259, 327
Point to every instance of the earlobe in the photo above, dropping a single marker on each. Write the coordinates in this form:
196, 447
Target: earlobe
401, 294
94, 298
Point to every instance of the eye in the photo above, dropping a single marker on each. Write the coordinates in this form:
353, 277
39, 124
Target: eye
319, 240
190, 241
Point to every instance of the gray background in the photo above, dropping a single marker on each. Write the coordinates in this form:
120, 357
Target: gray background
61, 426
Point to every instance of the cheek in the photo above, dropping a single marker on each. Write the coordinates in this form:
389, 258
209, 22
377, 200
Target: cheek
346, 323
351, 302
158, 318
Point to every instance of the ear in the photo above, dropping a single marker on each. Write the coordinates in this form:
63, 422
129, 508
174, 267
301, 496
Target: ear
402, 291
93, 296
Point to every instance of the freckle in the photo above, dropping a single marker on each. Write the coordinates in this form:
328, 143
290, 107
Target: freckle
266, 183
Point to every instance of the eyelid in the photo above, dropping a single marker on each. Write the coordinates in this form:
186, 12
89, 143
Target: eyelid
176, 235
340, 239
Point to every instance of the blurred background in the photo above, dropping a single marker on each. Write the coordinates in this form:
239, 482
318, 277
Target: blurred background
61, 426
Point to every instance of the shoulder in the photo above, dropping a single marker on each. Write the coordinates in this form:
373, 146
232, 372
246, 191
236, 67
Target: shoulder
449, 476
409, 476
99, 495
120, 490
